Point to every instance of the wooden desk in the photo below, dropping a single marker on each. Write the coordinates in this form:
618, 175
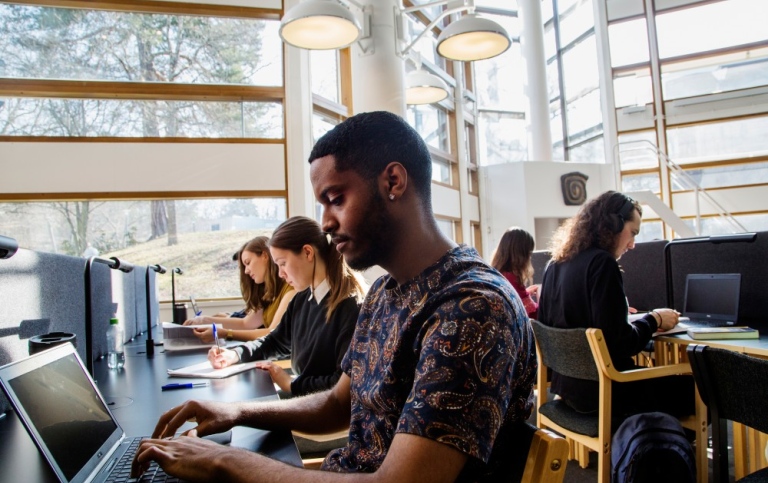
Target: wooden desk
136, 400
748, 445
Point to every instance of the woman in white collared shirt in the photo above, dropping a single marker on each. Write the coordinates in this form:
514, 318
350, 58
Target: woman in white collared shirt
317, 327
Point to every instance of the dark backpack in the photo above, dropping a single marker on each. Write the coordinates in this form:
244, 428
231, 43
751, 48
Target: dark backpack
652, 448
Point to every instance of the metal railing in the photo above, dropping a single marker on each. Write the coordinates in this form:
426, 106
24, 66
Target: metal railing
679, 176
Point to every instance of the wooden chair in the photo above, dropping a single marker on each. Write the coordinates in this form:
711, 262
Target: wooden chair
545, 462
583, 354
735, 387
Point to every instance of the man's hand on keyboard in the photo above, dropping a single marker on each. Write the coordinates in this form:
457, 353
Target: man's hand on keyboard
211, 417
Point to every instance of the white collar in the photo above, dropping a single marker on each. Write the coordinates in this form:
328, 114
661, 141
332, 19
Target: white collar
319, 292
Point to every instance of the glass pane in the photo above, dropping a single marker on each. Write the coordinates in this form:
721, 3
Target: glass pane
592, 151
498, 4
427, 45
649, 231
638, 150
740, 138
447, 227
633, 89
639, 182
128, 118
584, 117
715, 25
553, 81
717, 225
441, 171
729, 72
575, 22
198, 235
499, 83
628, 42
502, 138
556, 122
325, 73
432, 123
78, 44
580, 69
550, 42
546, 10
321, 124
730, 175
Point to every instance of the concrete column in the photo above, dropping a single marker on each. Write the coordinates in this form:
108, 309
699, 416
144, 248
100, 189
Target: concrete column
532, 43
378, 75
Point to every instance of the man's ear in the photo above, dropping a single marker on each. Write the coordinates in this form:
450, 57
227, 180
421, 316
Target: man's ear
394, 179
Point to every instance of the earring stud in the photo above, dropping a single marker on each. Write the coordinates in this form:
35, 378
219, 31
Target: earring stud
391, 197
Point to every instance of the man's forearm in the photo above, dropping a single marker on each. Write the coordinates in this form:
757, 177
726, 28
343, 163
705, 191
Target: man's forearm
315, 414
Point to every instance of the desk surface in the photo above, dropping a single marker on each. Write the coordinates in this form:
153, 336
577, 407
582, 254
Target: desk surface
753, 347
136, 400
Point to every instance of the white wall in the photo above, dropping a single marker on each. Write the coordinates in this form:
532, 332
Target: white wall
516, 194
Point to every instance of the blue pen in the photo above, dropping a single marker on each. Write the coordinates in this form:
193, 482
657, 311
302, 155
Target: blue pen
215, 337
186, 385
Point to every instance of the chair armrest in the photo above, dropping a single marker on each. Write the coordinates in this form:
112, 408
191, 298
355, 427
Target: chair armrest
605, 364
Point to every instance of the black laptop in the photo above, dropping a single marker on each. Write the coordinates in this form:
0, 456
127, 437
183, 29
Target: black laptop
64, 413
711, 299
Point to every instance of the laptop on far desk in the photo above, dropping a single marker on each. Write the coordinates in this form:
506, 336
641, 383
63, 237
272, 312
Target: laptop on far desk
711, 300
66, 416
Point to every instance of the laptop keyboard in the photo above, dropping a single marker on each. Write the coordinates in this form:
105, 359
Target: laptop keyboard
121, 473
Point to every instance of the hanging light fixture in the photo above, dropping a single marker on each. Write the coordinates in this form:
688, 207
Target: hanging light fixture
472, 38
421, 87
319, 25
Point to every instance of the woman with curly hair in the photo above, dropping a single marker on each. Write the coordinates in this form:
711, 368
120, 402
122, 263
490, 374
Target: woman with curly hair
583, 287
513, 259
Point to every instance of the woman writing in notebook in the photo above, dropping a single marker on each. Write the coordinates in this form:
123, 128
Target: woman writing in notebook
513, 259
317, 326
266, 297
582, 287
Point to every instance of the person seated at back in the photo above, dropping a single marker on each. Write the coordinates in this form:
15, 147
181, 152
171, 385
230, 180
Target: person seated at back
266, 297
583, 287
441, 367
513, 259
318, 324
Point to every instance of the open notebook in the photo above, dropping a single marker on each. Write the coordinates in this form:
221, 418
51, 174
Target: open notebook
64, 413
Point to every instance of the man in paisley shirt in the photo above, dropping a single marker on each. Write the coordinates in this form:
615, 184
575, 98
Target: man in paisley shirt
442, 363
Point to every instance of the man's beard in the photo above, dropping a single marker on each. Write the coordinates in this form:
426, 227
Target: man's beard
377, 231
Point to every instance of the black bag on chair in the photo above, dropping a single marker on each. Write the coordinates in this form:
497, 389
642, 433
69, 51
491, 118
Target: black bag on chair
652, 448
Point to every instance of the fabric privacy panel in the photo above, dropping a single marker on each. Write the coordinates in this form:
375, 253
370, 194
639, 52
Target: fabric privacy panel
539, 260
39, 293
644, 275
98, 280
748, 259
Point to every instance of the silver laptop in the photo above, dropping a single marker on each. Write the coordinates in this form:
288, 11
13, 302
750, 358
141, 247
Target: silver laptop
66, 416
711, 299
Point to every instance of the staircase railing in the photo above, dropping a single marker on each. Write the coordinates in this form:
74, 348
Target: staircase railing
681, 177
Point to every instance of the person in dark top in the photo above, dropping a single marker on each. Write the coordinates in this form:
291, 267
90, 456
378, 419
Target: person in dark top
513, 259
440, 371
317, 326
583, 287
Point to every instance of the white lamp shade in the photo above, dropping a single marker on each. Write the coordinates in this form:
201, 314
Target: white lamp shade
424, 88
319, 25
472, 38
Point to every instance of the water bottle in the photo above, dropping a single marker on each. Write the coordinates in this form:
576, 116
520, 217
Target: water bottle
115, 351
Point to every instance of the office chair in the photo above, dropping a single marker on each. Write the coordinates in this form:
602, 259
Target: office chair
735, 387
545, 461
583, 354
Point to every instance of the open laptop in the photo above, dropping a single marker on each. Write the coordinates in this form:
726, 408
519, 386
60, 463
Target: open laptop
66, 416
711, 299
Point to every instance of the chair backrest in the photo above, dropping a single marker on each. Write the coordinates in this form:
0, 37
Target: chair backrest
734, 386
565, 351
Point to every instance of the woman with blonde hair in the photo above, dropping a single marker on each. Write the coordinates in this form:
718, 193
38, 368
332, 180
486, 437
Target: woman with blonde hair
513, 259
317, 326
266, 297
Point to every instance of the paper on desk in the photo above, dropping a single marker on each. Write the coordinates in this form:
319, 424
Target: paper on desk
205, 370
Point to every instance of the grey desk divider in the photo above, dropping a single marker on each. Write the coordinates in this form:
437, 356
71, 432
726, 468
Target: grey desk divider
644, 275
39, 293
539, 260
746, 254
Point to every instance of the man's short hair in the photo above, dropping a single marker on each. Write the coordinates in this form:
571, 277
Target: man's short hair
366, 143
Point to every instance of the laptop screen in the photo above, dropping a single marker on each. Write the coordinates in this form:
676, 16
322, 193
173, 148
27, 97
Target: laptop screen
713, 296
62, 410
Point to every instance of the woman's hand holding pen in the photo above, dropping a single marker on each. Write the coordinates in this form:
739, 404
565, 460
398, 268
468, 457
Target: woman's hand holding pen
220, 358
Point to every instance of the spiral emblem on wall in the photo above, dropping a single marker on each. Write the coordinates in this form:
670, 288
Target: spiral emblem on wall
574, 186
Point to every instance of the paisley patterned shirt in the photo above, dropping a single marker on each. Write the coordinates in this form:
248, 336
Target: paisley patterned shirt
448, 356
